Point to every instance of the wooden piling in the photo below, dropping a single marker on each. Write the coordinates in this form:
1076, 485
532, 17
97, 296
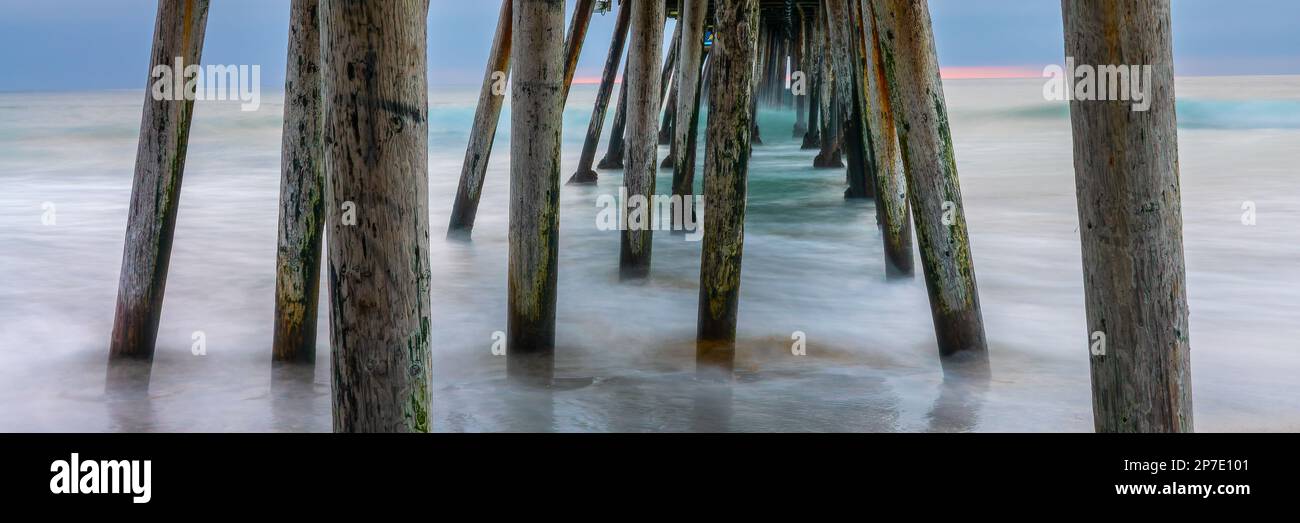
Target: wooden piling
892, 211
537, 102
815, 53
302, 192
844, 52
155, 193
585, 174
760, 39
726, 170
618, 131
670, 112
483, 133
482, 136
916, 91
829, 155
375, 95
1130, 222
798, 55
669, 122
573, 43
685, 139
642, 132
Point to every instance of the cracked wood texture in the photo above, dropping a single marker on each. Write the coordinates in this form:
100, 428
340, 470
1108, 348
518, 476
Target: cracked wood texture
916, 92
536, 120
375, 97
726, 171
645, 96
302, 193
1130, 222
155, 196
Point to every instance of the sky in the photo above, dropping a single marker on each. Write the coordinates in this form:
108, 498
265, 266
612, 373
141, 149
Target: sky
75, 45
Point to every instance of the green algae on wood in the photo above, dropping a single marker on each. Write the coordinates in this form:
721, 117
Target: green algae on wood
911, 70
537, 101
155, 196
302, 193
726, 171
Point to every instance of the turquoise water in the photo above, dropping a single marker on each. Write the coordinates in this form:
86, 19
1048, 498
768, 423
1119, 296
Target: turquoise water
813, 264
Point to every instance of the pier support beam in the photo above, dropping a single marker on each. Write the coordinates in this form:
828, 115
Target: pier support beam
892, 210
912, 68
618, 131
798, 58
670, 111
814, 55
726, 171
375, 96
844, 51
666, 128
1130, 222
155, 194
585, 174
537, 116
645, 97
685, 135
829, 155
482, 135
302, 192
573, 43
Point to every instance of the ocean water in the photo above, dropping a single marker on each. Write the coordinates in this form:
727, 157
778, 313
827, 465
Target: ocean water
813, 264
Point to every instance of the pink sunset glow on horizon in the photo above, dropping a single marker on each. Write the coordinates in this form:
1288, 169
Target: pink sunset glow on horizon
948, 73
990, 71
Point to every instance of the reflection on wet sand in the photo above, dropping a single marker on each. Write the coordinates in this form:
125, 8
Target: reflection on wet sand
965, 385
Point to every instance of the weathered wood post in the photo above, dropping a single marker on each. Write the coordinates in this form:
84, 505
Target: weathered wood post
844, 52
302, 192
815, 52
537, 117
585, 174
893, 213
685, 139
798, 56
573, 43
155, 192
1130, 220
916, 91
670, 112
669, 68
829, 156
760, 42
617, 142
482, 135
726, 171
375, 95
613, 158
644, 100
666, 128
